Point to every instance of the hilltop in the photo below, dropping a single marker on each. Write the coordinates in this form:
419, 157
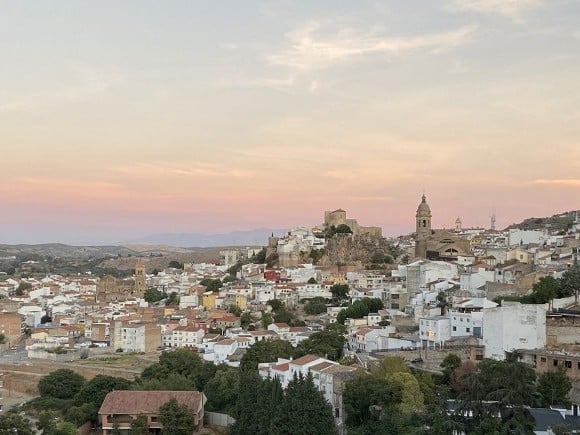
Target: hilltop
557, 222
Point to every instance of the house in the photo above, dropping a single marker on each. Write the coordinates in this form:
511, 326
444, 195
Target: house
435, 330
184, 336
120, 408
513, 326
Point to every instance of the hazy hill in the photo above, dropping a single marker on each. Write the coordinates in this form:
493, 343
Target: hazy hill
59, 250
257, 237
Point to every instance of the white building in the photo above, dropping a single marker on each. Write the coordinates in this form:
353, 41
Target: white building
308, 291
513, 326
435, 330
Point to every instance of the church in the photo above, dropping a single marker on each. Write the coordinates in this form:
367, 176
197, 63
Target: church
435, 244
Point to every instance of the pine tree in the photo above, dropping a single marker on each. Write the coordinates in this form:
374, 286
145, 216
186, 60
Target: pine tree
248, 421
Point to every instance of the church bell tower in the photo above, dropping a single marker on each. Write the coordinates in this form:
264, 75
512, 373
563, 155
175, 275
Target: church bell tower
422, 228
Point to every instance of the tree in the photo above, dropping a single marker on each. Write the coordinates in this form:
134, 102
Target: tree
339, 291
139, 425
153, 295
65, 428
46, 422
182, 368
303, 400
366, 397
316, 255
313, 307
343, 229
449, 364
570, 282
61, 384
411, 397
22, 288
177, 419
359, 309
326, 343
500, 387
235, 310
212, 285
12, 421
222, 391
248, 421
266, 351
245, 319
260, 257
174, 264
442, 302
266, 319
173, 299
544, 290
95, 390
554, 387
390, 365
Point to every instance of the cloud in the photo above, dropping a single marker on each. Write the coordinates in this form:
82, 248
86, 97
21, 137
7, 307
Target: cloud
84, 83
241, 81
563, 182
514, 9
317, 45
193, 170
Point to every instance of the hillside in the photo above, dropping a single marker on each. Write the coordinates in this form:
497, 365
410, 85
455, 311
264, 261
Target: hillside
557, 222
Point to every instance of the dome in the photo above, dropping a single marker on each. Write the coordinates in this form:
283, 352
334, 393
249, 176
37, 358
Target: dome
423, 209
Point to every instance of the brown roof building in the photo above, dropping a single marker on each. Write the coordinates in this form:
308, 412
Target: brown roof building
120, 408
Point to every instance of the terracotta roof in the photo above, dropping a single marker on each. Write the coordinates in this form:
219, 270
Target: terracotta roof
305, 359
321, 366
282, 367
147, 402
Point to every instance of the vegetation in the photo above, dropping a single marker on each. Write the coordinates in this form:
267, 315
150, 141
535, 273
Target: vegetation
316, 255
153, 295
61, 384
174, 264
339, 292
359, 309
548, 288
265, 408
212, 285
315, 306
328, 343
341, 229
176, 419
12, 421
22, 288
260, 257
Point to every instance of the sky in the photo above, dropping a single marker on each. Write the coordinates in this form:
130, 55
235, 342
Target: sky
120, 119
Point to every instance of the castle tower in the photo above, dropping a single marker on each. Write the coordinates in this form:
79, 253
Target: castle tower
458, 224
422, 228
140, 276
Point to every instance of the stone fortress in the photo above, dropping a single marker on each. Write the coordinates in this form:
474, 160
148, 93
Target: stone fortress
338, 217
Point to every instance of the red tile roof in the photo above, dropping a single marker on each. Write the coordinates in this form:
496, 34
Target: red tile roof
147, 402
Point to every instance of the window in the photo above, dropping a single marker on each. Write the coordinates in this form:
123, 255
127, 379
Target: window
568, 364
555, 363
455, 328
154, 419
467, 329
543, 359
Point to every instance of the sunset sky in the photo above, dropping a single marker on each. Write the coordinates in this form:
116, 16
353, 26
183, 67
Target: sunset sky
120, 119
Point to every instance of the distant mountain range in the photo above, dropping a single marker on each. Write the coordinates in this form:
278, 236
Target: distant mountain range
257, 237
